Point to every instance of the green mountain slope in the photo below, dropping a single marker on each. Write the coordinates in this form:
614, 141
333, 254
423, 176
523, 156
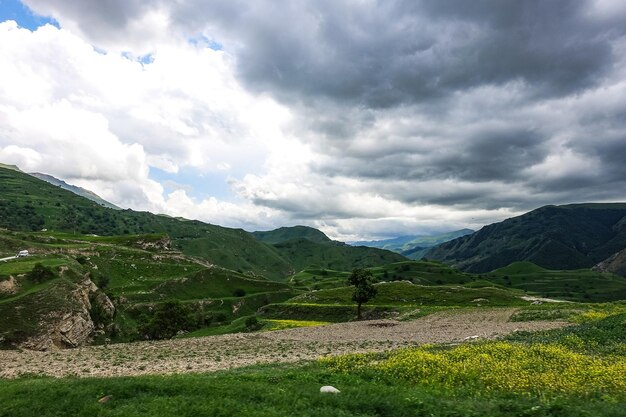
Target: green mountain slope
29, 204
138, 273
555, 237
284, 234
303, 253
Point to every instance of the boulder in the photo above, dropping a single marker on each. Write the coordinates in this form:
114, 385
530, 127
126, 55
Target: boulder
329, 389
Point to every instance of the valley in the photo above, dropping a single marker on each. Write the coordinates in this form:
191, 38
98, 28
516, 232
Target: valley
116, 296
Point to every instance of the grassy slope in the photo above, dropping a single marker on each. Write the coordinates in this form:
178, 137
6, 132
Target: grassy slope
135, 278
29, 204
284, 234
556, 237
404, 293
303, 253
401, 298
575, 285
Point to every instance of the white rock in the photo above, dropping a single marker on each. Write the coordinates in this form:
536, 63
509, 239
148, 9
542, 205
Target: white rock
327, 389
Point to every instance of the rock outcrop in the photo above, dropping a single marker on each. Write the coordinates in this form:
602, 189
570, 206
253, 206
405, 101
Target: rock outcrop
615, 264
164, 243
73, 326
8, 286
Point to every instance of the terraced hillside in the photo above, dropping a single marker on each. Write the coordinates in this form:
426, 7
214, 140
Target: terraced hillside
116, 287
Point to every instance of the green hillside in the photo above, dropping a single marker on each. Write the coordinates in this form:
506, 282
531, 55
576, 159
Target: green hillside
29, 204
554, 237
573, 285
303, 253
284, 234
138, 274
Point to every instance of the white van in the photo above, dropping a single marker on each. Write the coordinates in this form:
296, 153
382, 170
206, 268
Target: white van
22, 254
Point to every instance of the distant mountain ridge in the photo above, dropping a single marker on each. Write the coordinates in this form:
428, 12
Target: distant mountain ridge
413, 246
554, 237
75, 189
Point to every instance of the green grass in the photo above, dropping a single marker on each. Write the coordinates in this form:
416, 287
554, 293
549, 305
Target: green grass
418, 272
213, 283
394, 299
575, 285
403, 293
26, 264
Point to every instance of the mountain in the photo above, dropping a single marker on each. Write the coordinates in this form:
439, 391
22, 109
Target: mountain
555, 237
30, 204
73, 188
413, 246
285, 234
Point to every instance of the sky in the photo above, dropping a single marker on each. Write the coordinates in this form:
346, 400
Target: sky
366, 119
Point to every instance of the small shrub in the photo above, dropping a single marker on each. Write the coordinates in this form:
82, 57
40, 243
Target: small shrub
239, 292
252, 324
168, 319
40, 273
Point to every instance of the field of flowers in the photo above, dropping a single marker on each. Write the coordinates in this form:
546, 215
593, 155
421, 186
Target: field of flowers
586, 360
272, 324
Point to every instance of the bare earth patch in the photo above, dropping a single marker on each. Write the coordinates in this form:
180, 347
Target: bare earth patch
235, 350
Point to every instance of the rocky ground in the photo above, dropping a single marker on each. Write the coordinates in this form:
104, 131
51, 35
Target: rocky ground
236, 350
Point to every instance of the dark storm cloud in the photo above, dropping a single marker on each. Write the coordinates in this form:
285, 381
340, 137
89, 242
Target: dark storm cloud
485, 156
384, 54
99, 19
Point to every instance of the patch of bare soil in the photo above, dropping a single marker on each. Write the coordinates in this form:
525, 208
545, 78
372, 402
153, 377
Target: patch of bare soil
236, 350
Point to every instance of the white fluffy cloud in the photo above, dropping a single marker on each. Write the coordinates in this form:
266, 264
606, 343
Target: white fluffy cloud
101, 120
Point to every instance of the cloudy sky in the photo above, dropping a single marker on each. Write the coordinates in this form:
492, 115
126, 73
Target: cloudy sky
367, 119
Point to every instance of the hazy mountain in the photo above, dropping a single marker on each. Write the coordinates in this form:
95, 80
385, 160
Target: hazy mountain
413, 246
555, 237
75, 189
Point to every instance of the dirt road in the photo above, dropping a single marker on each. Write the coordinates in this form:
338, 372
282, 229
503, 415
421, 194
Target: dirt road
236, 350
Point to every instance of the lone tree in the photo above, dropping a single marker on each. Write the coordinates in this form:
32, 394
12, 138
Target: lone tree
364, 289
